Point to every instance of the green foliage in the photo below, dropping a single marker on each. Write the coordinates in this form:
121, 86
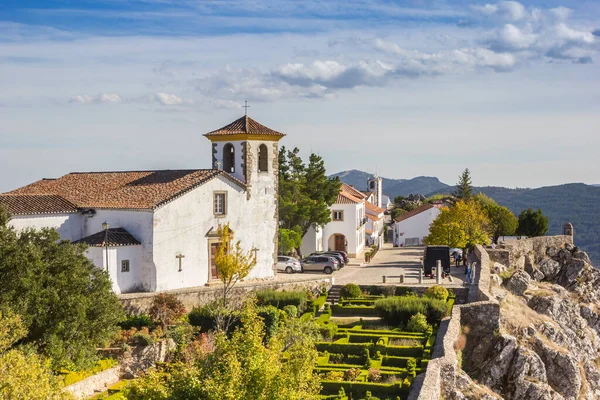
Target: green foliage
464, 189
411, 367
23, 374
137, 322
166, 309
270, 317
398, 310
532, 223
502, 221
102, 365
291, 310
289, 239
241, 366
417, 323
436, 292
305, 192
66, 303
350, 291
202, 317
365, 311
282, 299
142, 339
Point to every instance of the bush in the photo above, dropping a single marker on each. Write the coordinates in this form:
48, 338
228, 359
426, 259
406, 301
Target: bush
291, 310
270, 297
437, 292
350, 291
411, 367
202, 317
137, 322
327, 309
334, 376
374, 375
328, 331
404, 291
351, 374
142, 339
270, 316
355, 310
398, 310
166, 308
417, 323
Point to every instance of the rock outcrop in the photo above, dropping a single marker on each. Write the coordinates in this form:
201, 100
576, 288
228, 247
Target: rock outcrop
548, 343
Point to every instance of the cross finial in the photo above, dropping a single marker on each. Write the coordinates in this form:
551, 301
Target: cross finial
246, 106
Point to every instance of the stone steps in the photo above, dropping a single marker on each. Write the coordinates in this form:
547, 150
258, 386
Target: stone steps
333, 297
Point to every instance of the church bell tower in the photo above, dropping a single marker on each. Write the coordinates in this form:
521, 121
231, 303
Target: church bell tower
374, 185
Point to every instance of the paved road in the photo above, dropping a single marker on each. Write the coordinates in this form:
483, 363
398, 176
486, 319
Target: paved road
389, 261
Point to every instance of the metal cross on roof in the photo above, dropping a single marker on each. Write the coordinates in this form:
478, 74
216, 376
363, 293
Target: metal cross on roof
246, 106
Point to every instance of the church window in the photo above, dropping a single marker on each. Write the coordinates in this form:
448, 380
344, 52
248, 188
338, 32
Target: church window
263, 158
125, 266
229, 158
220, 203
338, 215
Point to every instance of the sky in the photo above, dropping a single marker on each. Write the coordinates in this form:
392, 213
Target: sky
403, 88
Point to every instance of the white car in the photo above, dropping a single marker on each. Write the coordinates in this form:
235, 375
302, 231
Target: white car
288, 264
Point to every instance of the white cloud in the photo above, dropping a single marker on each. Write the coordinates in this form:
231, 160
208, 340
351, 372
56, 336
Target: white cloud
508, 10
560, 13
509, 37
102, 98
169, 99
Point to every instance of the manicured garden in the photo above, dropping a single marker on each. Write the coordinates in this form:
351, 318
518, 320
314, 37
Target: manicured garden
378, 358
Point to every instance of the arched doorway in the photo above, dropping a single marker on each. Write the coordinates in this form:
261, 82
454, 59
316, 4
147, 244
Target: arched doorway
337, 242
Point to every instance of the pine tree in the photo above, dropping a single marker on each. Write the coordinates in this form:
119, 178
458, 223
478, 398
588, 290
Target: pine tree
464, 190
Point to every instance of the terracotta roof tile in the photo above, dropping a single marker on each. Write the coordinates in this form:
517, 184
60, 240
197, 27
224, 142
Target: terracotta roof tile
244, 125
351, 191
414, 212
122, 190
373, 207
36, 204
349, 195
369, 231
114, 237
373, 217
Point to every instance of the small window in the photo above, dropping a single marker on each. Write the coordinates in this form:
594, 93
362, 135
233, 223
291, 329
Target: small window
220, 203
125, 266
263, 158
338, 215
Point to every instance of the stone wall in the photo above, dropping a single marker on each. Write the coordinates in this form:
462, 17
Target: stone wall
138, 303
501, 256
528, 252
94, 384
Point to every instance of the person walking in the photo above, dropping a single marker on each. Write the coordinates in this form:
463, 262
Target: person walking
456, 259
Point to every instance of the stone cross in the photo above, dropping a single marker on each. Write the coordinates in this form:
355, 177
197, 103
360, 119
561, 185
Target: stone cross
246, 106
255, 250
179, 257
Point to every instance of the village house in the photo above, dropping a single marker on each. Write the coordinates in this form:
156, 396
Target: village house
157, 230
410, 228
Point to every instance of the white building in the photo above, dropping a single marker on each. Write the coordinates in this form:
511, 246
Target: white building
410, 228
162, 225
374, 228
346, 231
386, 202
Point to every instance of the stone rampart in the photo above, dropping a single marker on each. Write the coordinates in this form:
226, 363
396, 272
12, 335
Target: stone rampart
138, 303
525, 253
501, 256
94, 384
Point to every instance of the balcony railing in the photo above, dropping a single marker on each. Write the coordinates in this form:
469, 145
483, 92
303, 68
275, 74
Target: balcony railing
361, 222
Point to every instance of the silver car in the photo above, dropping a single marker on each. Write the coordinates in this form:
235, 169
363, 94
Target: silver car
320, 263
288, 264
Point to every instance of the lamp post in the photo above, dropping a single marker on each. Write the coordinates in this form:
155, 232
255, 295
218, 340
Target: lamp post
105, 227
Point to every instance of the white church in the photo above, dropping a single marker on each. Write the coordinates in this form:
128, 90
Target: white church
157, 230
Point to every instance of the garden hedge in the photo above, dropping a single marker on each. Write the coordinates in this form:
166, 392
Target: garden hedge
354, 310
398, 310
282, 299
361, 388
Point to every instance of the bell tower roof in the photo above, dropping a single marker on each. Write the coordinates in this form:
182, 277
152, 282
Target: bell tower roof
244, 128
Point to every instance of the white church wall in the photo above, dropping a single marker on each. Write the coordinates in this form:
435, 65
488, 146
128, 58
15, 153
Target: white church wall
312, 241
416, 226
67, 224
122, 282
238, 158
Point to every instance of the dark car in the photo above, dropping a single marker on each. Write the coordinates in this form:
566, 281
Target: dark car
319, 263
432, 255
338, 257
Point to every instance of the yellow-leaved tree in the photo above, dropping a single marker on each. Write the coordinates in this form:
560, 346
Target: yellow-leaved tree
463, 226
23, 373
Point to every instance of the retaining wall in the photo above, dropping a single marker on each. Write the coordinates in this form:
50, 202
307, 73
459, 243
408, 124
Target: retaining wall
138, 303
94, 384
529, 252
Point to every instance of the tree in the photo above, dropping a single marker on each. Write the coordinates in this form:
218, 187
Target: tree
305, 192
289, 239
165, 309
233, 264
502, 221
23, 374
241, 366
532, 223
66, 303
464, 190
464, 225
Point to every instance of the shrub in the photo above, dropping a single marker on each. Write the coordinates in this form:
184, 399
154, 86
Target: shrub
398, 310
334, 376
270, 316
417, 323
374, 375
437, 292
350, 291
137, 322
404, 291
327, 309
166, 308
411, 367
351, 374
142, 339
354, 310
405, 384
270, 297
291, 310
328, 331
202, 317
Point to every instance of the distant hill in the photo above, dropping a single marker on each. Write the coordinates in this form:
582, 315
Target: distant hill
393, 187
574, 202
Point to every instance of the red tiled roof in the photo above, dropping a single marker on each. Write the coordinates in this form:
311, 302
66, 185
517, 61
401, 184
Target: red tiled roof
373, 217
414, 212
349, 195
353, 192
36, 204
244, 125
111, 237
373, 207
121, 190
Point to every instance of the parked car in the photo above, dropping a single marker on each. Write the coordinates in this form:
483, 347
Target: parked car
320, 263
341, 253
288, 264
433, 254
338, 257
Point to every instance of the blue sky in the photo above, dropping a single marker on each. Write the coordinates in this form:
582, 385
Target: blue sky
425, 87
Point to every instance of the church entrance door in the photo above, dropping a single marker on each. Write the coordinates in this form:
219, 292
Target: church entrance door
214, 273
340, 243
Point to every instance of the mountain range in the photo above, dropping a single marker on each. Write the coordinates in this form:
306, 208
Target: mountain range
577, 203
